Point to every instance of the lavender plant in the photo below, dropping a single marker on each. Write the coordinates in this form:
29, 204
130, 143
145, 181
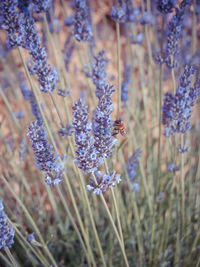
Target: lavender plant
102, 204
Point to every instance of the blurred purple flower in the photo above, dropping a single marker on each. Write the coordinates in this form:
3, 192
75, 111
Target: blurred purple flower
82, 26
31, 238
131, 168
177, 109
126, 84
104, 182
172, 167
165, 6
22, 149
7, 233
68, 50
99, 75
118, 12
19, 114
29, 96
66, 131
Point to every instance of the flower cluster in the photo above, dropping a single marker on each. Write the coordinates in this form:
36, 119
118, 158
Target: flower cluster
102, 123
47, 76
7, 233
82, 25
118, 12
126, 84
21, 30
177, 109
165, 6
124, 12
29, 6
104, 182
99, 75
9, 20
131, 167
174, 35
86, 154
102, 115
44, 158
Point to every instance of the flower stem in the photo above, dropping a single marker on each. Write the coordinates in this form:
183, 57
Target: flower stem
119, 68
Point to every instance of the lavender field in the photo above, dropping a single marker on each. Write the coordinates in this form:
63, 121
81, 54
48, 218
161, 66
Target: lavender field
100, 133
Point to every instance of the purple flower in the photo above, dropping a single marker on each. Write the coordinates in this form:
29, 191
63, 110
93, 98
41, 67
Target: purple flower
31, 238
22, 149
47, 161
131, 168
99, 75
147, 18
130, 13
28, 95
21, 30
19, 114
64, 92
82, 26
126, 84
118, 12
172, 167
104, 182
177, 109
47, 76
7, 233
68, 50
165, 6
174, 35
66, 131
102, 123
87, 158
185, 148
102, 115
9, 20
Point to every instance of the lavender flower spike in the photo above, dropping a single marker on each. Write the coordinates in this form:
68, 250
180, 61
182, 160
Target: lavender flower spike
44, 158
7, 233
102, 123
86, 154
82, 27
177, 109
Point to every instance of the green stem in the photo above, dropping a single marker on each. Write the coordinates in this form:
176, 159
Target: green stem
10, 256
119, 68
113, 226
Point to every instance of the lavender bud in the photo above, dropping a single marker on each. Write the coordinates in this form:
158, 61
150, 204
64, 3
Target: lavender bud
31, 238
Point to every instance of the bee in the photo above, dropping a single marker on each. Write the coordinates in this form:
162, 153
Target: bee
119, 128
